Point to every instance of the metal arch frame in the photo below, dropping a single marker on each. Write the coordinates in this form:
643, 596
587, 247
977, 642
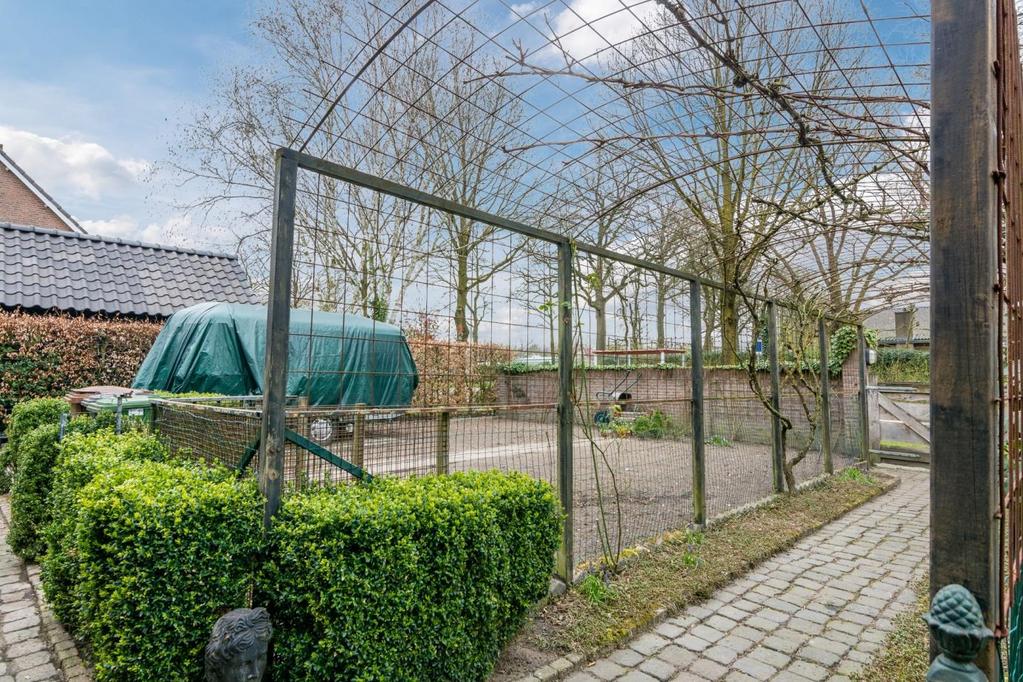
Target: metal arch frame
274, 433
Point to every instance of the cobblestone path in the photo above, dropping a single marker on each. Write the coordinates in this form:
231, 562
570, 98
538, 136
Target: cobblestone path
818, 611
32, 644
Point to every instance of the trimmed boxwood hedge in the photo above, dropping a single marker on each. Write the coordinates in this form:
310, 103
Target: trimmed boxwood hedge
81, 457
25, 418
37, 458
163, 551
421, 579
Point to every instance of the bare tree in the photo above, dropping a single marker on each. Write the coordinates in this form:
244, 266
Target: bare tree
467, 123
608, 223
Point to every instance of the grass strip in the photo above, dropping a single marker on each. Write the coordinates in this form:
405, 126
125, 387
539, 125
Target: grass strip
904, 656
686, 567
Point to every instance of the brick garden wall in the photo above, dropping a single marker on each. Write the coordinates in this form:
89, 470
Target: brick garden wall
732, 410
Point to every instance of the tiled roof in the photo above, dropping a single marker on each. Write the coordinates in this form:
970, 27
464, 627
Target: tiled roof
43, 269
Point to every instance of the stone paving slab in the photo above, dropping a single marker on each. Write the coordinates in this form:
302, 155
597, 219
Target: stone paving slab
818, 611
34, 647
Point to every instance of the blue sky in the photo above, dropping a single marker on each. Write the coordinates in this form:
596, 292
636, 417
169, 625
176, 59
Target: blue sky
93, 93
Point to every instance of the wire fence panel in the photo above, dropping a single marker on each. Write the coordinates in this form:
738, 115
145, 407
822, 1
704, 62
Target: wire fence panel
632, 395
424, 341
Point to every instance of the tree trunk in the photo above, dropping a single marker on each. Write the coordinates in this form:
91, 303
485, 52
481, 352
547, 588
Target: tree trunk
600, 323
729, 328
461, 293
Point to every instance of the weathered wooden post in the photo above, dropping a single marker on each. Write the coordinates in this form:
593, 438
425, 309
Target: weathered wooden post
359, 436
566, 418
443, 443
777, 444
964, 306
825, 413
301, 455
278, 320
865, 451
699, 439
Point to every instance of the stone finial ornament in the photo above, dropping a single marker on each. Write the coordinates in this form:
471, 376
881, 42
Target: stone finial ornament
957, 625
237, 648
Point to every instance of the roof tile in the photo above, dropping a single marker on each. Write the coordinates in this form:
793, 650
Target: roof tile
42, 269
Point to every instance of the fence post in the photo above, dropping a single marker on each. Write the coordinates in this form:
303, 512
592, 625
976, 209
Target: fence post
861, 344
825, 415
443, 441
359, 436
278, 320
777, 447
699, 446
965, 322
566, 420
301, 455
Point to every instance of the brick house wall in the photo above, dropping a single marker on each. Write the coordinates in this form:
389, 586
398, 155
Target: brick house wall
21, 206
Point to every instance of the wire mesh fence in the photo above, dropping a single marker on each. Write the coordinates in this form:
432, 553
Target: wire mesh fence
422, 341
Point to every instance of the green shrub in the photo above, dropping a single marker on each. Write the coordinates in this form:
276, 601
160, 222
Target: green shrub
423, 579
25, 417
37, 458
163, 551
80, 458
653, 425
37, 455
902, 365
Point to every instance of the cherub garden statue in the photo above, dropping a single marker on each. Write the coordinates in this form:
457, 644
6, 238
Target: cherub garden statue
237, 649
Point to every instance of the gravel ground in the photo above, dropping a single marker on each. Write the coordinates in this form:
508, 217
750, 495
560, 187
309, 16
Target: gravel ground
650, 479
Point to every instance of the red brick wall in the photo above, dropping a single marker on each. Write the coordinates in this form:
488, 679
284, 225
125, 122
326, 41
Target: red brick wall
18, 204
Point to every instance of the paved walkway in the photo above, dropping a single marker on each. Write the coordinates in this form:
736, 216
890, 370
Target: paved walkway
32, 644
817, 611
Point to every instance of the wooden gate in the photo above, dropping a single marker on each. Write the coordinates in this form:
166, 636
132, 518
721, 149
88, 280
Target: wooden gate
900, 422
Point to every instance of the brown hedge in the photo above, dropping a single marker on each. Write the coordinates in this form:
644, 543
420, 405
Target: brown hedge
455, 373
48, 355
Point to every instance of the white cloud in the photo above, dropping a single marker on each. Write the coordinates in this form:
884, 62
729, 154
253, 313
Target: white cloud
176, 230
587, 27
69, 166
523, 9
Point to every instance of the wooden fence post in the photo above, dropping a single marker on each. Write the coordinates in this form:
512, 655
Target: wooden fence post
777, 446
301, 456
699, 440
443, 446
359, 436
865, 452
965, 322
278, 320
825, 414
566, 418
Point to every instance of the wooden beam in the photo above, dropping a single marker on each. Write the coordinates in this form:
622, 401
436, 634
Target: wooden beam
566, 417
777, 441
278, 322
964, 307
825, 414
696, 373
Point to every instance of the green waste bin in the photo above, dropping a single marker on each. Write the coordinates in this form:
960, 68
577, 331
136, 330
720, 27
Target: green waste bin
133, 406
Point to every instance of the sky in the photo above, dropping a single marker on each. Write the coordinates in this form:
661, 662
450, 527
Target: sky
93, 94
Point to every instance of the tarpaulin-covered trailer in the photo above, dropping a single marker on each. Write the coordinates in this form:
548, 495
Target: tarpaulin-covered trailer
333, 359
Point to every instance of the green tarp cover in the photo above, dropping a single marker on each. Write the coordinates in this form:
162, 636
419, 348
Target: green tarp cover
334, 358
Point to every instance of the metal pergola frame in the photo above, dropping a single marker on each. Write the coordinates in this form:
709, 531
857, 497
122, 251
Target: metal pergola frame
274, 432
